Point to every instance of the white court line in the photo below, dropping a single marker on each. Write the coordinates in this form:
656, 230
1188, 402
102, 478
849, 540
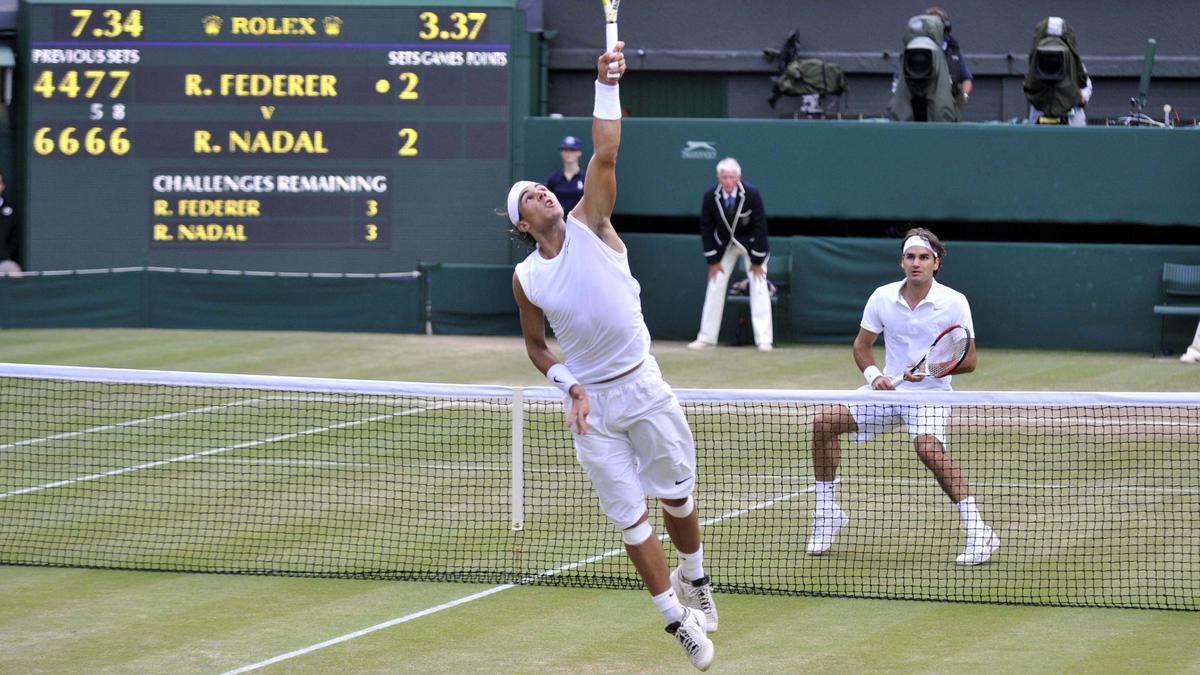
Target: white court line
503, 468
370, 629
211, 451
130, 423
491, 591
1136, 489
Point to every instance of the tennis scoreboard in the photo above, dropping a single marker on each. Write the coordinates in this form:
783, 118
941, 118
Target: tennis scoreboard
280, 137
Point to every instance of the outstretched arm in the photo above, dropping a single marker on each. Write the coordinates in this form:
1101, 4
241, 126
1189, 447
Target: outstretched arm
600, 185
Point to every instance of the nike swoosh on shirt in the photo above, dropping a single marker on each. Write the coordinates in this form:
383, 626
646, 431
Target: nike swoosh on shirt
680, 482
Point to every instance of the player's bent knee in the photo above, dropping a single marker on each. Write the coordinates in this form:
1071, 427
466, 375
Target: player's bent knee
638, 533
833, 421
681, 511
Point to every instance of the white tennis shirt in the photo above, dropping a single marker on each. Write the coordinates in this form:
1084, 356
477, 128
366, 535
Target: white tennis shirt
907, 333
593, 304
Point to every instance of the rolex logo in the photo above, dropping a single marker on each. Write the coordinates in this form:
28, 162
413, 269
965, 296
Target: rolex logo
333, 25
212, 24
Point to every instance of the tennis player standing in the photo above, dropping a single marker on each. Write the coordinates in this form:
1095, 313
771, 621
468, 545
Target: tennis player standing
910, 314
631, 436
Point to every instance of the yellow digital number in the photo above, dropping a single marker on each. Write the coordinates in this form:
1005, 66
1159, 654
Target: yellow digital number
410, 82
67, 143
44, 84
112, 23
408, 147
69, 85
83, 15
372, 232
478, 18
95, 143
95, 77
133, 23
372, 208
430, 21
466, 26
460, 26
121, 77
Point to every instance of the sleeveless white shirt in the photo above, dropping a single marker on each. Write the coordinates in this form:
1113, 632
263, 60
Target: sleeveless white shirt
593, 304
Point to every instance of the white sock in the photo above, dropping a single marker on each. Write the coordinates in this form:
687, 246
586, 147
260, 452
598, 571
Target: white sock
692, 564
668, 605
970, 515
825, 495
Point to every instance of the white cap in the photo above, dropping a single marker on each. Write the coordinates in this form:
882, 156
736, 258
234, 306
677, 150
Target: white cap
918, 240
514, 197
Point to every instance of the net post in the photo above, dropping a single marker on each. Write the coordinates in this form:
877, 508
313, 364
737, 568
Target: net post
518, 459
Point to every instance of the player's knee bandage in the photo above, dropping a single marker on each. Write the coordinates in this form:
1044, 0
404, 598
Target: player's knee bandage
683, 510
638, 533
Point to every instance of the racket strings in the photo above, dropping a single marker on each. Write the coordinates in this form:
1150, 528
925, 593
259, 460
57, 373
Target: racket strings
947, 353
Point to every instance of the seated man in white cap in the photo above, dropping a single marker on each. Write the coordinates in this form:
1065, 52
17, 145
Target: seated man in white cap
630, 433
910, 314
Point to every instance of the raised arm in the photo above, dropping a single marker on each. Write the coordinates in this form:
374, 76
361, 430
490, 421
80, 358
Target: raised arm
600, 186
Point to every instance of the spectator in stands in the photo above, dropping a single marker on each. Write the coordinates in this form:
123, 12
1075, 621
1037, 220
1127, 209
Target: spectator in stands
960, 74
733, 224
9, 240
1192, 355
1057, 84
910, 314
567, 183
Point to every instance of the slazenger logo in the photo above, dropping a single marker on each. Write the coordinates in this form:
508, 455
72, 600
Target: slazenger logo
698, 150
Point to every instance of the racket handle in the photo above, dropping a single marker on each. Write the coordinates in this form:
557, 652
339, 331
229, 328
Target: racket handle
610, 41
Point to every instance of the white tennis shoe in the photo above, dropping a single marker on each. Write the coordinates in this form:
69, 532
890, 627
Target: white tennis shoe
700, 345
826, 525
981, 544
689, 632
697, 594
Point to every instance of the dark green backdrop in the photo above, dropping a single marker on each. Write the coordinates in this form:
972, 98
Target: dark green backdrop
1022, 295
890, 171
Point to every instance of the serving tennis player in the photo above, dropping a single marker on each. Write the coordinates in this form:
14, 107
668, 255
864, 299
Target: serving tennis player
910, 314
631, 436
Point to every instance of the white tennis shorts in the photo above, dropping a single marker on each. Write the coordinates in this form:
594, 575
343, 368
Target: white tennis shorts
879, 418
638, 444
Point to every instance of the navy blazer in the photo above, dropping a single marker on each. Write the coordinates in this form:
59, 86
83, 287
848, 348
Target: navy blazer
745, 223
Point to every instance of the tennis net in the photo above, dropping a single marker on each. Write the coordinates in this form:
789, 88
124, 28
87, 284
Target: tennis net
1096, 497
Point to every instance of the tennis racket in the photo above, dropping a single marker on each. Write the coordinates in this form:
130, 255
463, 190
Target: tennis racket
946, 353
610, 27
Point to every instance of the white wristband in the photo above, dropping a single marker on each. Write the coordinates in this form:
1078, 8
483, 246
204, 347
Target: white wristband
608, 101
560, 377
872, 373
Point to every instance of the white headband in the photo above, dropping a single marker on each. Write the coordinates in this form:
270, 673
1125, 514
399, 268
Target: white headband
514, 198
918, 240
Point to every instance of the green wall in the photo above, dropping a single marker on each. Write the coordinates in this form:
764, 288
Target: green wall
1061, 296
160, 299
1073, 296
890, 171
